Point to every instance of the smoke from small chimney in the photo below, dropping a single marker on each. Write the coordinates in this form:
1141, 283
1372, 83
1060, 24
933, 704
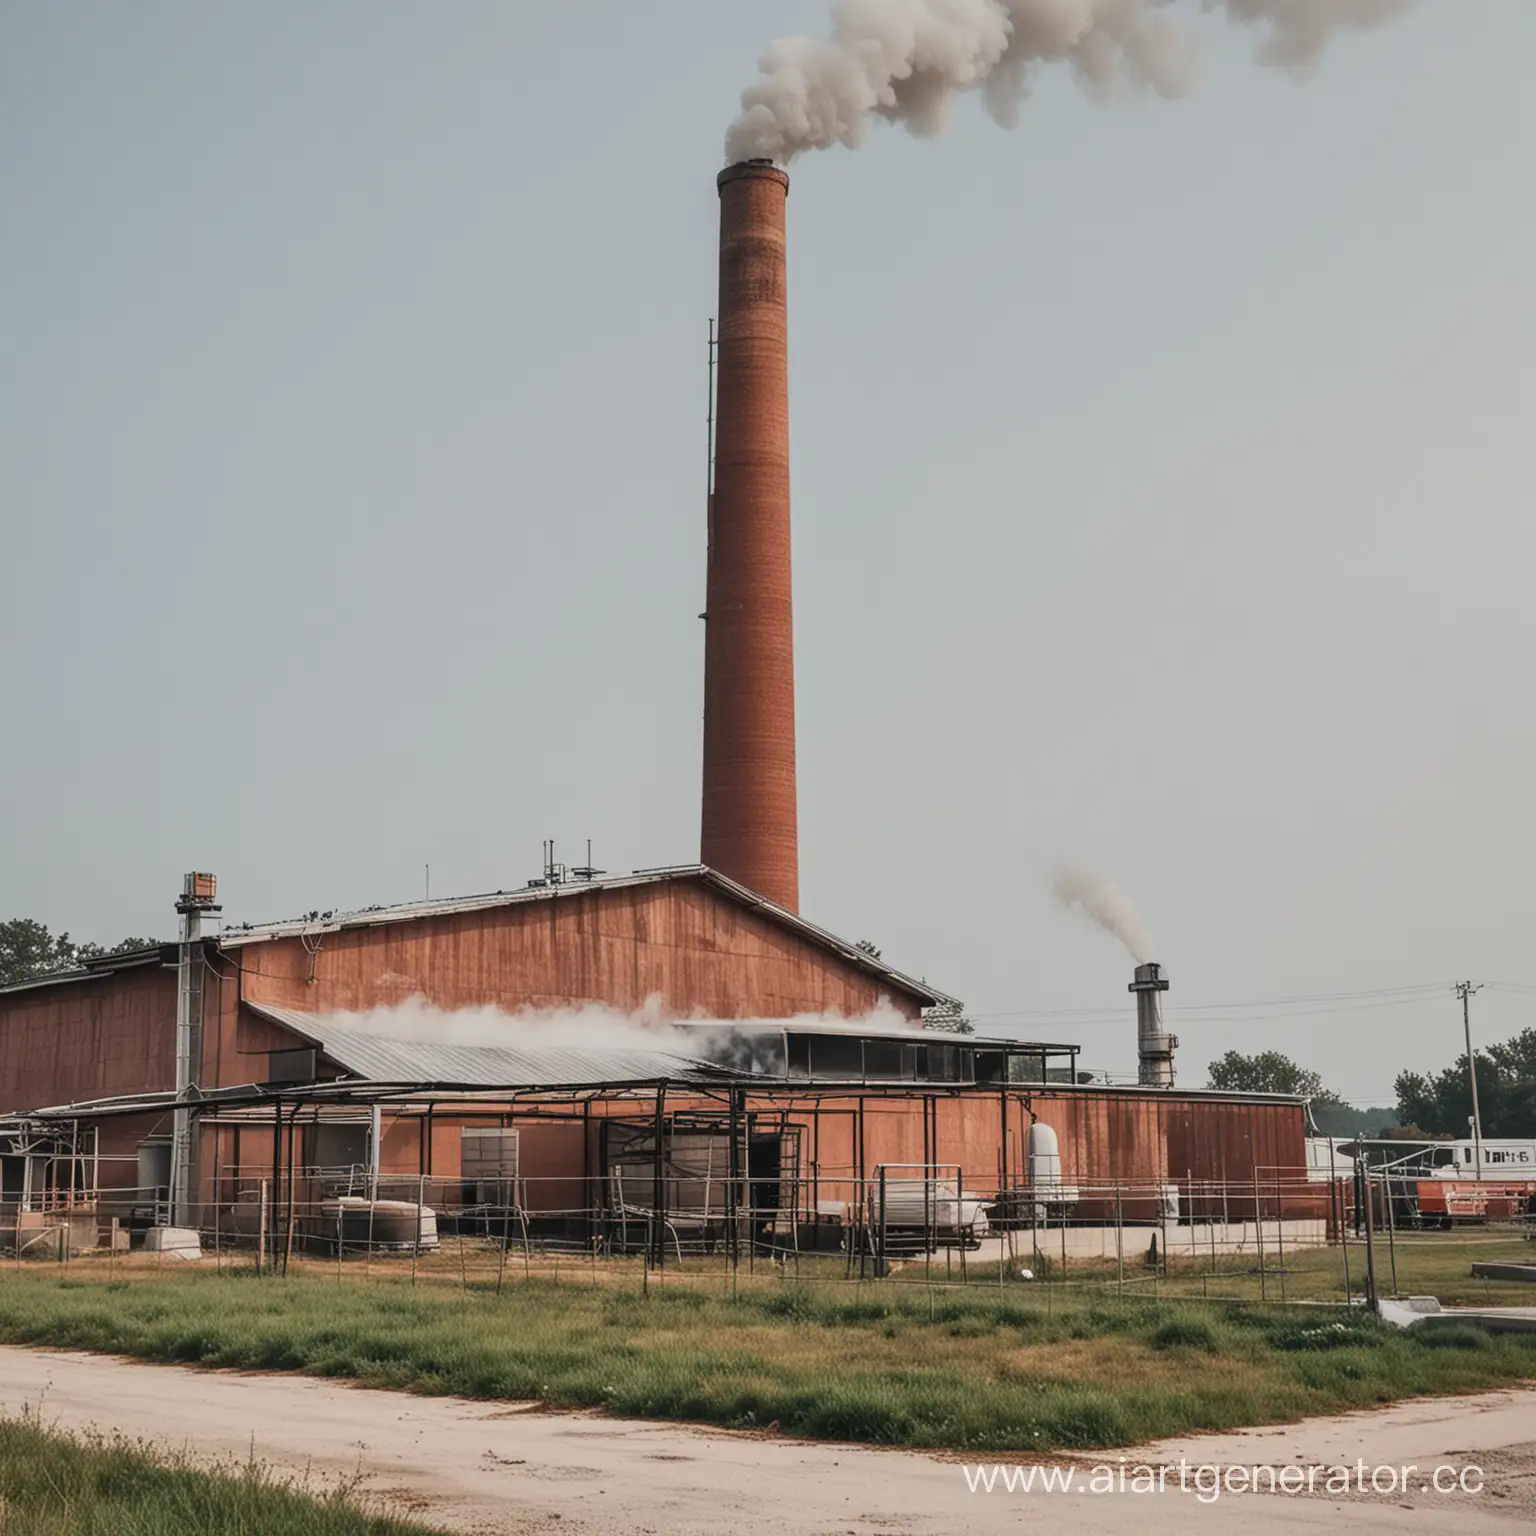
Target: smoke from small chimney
1102, 902
906, 60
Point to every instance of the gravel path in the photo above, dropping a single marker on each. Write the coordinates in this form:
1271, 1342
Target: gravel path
487, 1467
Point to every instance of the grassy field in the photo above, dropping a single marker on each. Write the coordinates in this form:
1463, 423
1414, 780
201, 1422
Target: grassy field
54, 1484
1423, 1264
1021, 1368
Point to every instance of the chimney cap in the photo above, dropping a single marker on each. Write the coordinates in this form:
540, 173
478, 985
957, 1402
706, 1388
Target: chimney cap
1149, 978
753, 170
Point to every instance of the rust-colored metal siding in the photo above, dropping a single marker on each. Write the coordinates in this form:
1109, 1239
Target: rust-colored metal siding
88, 1039
749, 819
1137, 1141
678, 942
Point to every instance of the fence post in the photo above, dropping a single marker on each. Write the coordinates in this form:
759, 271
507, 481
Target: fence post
1063, 1242
1371, 1299
1119, 1241
506, 1232
261, 1228
1162, 1205
373, 1201
1280, 1228
1337, 1190
1258, 1234
880, 1264
421, 1197
1386, 1195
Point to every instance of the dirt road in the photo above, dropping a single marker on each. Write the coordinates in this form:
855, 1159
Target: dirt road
486, 1467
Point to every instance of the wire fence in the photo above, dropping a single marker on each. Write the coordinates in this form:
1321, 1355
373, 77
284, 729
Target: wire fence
689, 1216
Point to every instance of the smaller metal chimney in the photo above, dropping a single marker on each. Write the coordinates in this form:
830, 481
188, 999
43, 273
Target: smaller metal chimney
1154, 1047
199, 892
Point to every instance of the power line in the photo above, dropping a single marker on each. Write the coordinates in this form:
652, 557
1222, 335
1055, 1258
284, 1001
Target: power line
1410, 993
1192, 1020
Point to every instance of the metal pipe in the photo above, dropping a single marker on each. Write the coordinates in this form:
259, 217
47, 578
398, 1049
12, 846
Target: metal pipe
197, 897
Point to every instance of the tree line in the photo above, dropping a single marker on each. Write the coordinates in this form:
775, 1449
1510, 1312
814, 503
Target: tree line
28, 950
1428, 1104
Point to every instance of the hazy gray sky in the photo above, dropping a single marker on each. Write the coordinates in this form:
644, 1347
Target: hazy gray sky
1162, 494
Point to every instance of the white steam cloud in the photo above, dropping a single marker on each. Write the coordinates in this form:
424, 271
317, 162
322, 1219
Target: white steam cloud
906, 60
590, 1026
1101, 901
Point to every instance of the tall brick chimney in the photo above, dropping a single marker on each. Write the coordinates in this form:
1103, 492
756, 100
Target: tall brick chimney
749, 815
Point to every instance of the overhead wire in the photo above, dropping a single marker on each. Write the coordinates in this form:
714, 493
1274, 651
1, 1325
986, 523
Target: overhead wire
1408, 993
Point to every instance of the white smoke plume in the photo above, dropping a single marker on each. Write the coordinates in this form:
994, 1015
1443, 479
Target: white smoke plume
1101, 901
591, 1026
906, 60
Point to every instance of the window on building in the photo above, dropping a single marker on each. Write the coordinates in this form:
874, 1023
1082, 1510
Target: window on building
836, 1056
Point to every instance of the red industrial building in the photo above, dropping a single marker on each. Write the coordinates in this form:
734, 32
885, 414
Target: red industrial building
299, 1065
272, 1054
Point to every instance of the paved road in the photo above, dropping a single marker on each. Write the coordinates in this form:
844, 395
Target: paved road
482, 1467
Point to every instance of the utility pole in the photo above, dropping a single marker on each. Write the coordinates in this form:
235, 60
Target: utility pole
1363, 1174
1464, 990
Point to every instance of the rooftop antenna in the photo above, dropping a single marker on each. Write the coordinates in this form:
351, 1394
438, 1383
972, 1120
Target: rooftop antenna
429, 882
586, 871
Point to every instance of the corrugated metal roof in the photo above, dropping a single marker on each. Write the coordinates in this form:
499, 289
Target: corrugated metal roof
51, 979
382, 1060
913, 1033
335, 922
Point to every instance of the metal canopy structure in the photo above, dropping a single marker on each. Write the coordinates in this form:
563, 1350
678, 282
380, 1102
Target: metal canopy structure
365, 1054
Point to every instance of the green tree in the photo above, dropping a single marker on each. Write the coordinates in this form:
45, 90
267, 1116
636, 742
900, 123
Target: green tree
27, 950
1441, 1101
948, 1018
1267, 1072
1274, 1072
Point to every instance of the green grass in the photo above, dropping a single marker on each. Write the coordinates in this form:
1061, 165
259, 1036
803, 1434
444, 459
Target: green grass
54, 1484
976, 1370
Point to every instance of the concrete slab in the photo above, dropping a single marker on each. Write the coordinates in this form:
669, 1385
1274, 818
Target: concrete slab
1490, 1271
174, 1242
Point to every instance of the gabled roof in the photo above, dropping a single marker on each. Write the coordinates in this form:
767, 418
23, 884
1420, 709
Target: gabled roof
375, 1058
96, 968
367, 917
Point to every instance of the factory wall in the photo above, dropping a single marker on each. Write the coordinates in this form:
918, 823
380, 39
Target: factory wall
675, 941
101, 1035
1108, 1138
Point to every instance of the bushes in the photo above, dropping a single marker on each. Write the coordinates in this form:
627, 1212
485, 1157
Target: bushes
1451, 1336
1184, 1333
